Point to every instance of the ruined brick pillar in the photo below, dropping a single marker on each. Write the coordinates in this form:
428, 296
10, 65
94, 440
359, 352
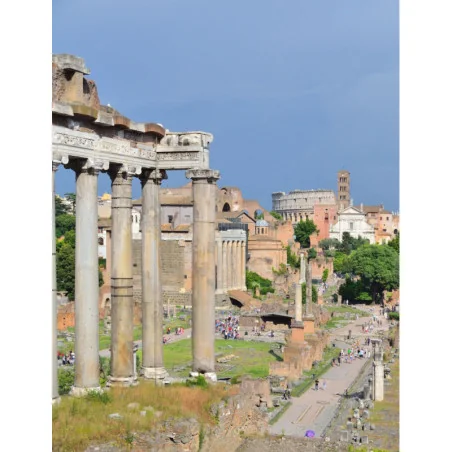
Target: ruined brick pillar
152, 299
121, 367
203, 292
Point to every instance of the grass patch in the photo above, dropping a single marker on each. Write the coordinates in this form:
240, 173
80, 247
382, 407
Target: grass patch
343, 309
78, 422
253, 358
318, 371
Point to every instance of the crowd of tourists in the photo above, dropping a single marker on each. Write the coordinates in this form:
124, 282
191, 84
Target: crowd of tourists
351, 354
228, 327
66, 359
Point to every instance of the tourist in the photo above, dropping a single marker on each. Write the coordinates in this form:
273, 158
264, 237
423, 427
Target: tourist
339, 360
168, 330
324, 385
316, 384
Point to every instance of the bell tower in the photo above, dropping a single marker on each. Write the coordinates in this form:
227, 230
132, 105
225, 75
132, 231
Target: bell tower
343, 189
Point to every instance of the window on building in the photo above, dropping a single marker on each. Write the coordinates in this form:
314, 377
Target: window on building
351, 226
101, 241
381, 218
170, 219
387, 218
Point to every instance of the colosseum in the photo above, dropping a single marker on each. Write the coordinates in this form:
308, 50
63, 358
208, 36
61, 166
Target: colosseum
298, 205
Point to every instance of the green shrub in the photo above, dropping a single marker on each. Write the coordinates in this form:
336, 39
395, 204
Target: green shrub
200, 382
66, 379
265, 285
96, 396
394, 316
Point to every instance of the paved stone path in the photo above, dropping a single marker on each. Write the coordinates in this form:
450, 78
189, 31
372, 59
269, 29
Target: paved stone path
314, 410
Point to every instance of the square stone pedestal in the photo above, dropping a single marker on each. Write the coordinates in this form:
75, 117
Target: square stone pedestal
309, 325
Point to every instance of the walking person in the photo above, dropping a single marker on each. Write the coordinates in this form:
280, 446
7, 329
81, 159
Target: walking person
324, 385
316, 384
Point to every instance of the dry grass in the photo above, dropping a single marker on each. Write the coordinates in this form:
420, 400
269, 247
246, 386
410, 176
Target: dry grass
385, 415
80, 422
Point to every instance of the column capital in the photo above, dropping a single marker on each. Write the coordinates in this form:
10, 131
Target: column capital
129, 170
90, 166
153, 174
59, 159
203, 174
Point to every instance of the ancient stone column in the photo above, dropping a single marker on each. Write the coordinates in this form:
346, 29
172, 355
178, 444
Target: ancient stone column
302, 268
121, 366
152, 300
219, 266
86, 280
309, 289
224, 247
378, 372
298, 303
229, 259
298, 291
234, 265
308, 319
203, 292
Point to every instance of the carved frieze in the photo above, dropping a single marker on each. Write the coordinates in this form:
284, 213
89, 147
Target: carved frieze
74, 140
178, 156
103, 145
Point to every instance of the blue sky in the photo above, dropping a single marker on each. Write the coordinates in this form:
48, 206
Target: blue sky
292, 90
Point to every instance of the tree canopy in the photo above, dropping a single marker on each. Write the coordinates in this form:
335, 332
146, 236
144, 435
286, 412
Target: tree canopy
378, 268
303, 230
395, 243
276, 215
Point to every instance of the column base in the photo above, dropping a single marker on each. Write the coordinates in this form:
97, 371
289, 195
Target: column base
122, 382
154, 373
82, 392
210, 376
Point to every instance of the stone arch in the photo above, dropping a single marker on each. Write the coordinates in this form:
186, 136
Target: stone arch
226, 207
396, 231
258, 213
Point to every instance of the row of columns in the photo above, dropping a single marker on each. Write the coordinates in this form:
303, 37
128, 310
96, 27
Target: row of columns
86, 276
231, 265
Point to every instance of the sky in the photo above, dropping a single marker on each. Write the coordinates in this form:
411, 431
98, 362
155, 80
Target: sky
292, 90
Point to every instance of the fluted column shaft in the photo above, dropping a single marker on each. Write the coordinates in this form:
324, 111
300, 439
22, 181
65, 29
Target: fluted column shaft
233, 264
224, 248
152, 300
203, 292
219, 266
86, 282
308, 288
121, 279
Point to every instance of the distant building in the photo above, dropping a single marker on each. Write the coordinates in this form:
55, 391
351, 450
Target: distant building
352, 220
299, 205
343, 189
